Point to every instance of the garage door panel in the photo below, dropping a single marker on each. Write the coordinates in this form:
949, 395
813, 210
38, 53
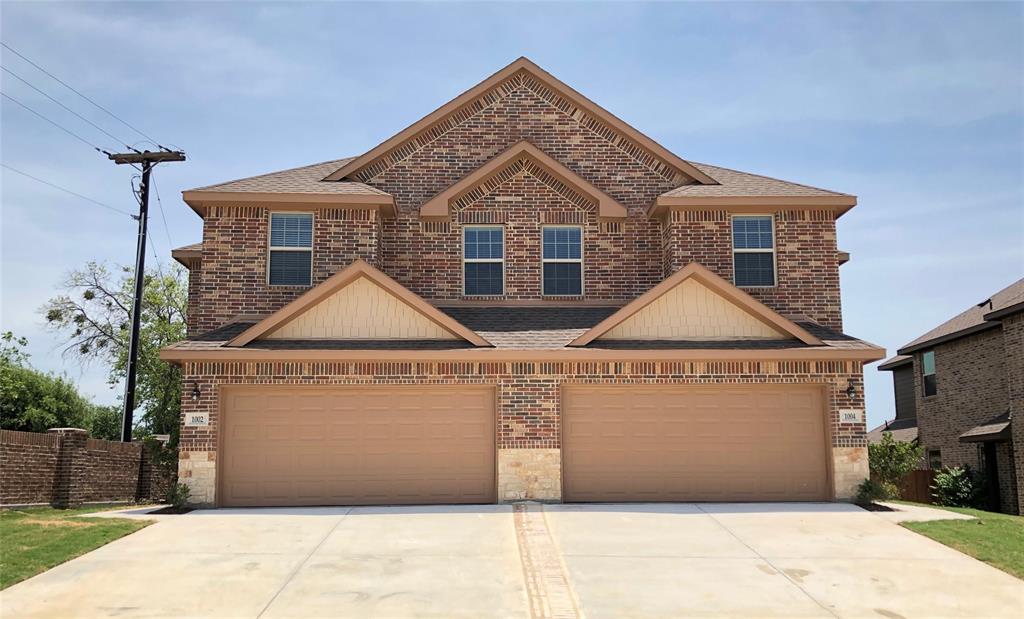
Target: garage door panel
356, 445
680, 443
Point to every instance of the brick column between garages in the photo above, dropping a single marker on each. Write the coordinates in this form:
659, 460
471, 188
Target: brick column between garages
69, 480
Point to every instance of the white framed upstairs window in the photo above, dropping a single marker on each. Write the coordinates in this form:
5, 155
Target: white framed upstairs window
753, 250
562, 259
483, 261
291, 249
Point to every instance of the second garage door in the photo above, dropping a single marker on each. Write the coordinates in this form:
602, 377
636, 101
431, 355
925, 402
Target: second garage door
357, 446
694, 443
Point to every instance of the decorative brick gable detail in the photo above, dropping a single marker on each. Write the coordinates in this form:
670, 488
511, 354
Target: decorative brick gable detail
521, 81
233, 278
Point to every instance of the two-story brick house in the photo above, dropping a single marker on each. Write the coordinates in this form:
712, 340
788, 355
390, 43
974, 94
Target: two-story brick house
518, 297
960, 386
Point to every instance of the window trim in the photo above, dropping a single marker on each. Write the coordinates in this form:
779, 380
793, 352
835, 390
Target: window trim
924, 377
502, 260
580, 260
272, 248
774, 250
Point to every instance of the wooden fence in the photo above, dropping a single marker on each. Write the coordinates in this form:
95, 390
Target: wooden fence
917, 486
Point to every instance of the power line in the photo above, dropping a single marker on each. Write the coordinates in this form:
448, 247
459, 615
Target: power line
55, 124
97, 127
69, 87
76, 194
160, 205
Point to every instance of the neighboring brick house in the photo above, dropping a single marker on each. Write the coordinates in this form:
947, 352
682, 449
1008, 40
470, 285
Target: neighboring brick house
963, 385
518, 297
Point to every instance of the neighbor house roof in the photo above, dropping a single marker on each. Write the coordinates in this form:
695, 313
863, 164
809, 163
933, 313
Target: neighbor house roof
984, 315
894, 362
901, 429
995, 429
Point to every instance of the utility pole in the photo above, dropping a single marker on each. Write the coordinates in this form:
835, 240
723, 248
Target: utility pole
147, 159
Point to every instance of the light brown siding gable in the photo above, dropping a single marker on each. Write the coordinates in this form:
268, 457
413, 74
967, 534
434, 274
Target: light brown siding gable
359, 302
692, 311
689, 313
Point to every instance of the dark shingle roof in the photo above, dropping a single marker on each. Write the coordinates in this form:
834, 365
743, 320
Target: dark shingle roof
305, 179
970, 320
743, 184
529, 327
901, 429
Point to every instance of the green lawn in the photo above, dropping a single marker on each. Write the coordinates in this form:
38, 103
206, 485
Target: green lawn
996, 539
34, 539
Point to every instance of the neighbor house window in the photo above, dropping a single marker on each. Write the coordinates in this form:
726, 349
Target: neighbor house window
753, 250
563, 261
291, 249
935, 459
928, 373
483, 260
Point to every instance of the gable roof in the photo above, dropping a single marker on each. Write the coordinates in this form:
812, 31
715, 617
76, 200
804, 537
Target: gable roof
984, 315
737, 188
606, 205
556, 85
304, 184
731, 293
356, 270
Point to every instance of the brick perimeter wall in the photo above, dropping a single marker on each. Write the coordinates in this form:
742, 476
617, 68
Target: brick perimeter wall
28, 467
63, 468
529, 402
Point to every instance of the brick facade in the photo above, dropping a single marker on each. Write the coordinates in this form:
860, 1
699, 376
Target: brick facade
622, 259
529, 406
1013, 345
233, 277
971, 383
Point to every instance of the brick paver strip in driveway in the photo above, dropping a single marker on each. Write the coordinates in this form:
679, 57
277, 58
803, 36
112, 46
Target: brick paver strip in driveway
598, 561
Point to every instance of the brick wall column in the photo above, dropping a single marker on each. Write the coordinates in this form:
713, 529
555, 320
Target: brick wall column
69, 481
1013, 343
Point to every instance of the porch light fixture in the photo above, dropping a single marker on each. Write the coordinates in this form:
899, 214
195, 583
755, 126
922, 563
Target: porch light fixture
851, 390
195, 391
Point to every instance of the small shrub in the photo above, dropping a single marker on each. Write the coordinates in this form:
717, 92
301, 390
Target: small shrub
871, 490
891, 460
957, 487
178, 495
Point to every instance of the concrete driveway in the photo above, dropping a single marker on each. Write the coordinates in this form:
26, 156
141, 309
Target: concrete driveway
661, 560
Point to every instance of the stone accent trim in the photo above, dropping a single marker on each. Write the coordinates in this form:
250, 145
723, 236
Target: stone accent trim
529, 474
849, 469
198, 471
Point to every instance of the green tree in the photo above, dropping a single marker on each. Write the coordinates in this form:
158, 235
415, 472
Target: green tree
94, 314
34, 401
891, 461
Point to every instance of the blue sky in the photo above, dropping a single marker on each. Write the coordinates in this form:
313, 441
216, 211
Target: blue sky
916, 108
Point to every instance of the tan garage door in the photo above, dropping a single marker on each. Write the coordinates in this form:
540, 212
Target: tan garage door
357, 446
683, 443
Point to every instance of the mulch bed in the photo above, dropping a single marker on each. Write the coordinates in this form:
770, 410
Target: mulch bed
875, 507
170, 509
